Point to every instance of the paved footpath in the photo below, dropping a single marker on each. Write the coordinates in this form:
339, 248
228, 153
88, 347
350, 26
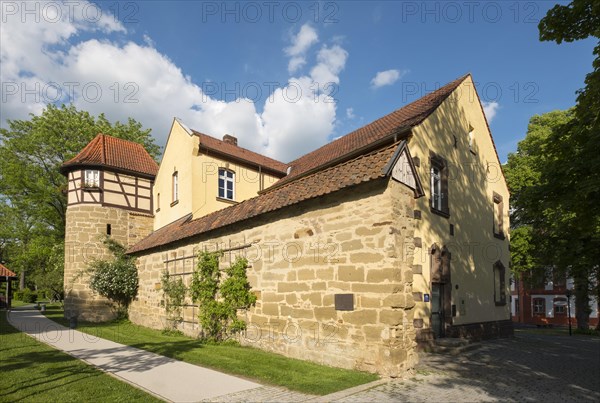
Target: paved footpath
526, 368
164, 377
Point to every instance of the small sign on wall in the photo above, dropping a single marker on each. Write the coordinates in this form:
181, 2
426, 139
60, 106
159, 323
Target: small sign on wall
344, 302
426, 297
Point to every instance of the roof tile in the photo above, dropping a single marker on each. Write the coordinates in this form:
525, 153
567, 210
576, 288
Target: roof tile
240, 153
362, 169
113, 152
4, 272
407, 116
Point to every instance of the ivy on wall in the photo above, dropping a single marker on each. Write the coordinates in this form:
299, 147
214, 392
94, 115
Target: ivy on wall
174, 291
219, 300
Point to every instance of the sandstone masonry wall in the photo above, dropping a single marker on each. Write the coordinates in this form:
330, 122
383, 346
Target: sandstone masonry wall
86, 225
357, 241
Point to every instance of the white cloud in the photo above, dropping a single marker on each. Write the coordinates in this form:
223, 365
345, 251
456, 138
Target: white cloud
490, 109
301, 42
387, 77
350, 113
136, 80
331, 62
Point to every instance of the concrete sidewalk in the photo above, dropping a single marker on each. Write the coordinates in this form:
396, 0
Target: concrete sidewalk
164, 377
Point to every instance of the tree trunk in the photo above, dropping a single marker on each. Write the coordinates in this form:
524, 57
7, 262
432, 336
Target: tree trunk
582, 301
22, 281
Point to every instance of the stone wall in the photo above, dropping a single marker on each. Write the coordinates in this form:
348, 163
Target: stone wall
356, 241
86, 225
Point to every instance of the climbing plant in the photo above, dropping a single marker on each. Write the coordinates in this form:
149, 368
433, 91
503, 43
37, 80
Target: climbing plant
115, 278
175, 292
218, 301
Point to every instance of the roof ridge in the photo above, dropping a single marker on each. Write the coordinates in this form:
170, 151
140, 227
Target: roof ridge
407, 116
240, 147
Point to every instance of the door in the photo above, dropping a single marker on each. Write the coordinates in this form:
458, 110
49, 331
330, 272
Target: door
437, 309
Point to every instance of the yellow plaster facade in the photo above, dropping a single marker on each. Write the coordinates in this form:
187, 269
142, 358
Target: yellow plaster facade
474, 176
197, 172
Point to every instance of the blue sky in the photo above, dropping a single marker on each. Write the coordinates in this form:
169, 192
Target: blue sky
307, 69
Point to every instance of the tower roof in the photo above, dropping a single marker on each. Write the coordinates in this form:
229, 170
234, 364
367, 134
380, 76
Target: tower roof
112, 152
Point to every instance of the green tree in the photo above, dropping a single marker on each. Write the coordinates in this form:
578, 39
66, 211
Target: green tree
32, 190
573, 183
549, 229
115, 278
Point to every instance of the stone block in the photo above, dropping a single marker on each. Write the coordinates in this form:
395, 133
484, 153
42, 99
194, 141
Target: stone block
351, 273
361, 317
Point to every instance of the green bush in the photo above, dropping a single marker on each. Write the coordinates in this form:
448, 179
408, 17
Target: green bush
26, 295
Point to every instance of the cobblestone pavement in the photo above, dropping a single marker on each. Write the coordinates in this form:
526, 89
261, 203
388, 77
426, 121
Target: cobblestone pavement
526, 368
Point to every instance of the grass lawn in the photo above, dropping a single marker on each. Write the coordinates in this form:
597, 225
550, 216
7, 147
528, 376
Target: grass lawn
14, 303
247, 362
35, 372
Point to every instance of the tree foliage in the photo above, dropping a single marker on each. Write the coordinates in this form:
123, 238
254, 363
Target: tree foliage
32, 190
115, 278
219, 301
553, 177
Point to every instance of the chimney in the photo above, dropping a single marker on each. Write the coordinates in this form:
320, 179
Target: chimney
230, 139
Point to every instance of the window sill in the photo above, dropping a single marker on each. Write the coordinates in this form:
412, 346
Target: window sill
174, 203
445, 214
157, 210
229, 201
91, 189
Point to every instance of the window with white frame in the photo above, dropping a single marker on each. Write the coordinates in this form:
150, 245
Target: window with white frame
175, 186
91, 178
539, 306
226, 184
471, 137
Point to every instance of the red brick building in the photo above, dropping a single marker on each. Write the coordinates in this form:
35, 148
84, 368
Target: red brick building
546, 304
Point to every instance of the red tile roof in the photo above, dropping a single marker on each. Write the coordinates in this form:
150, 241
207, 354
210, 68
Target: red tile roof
113, 152
358, 157
240, 153
403, 118
5, 272
362, 169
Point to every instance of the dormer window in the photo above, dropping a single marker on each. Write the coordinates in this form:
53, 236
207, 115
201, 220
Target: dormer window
226, 184
91, 178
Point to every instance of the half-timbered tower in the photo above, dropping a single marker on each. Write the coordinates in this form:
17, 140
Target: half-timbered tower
109, 194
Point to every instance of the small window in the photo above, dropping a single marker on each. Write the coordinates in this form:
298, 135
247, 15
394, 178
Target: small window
498, 216
226, 184
560, 306
499, 283
108, 229
539, 306
559, 279
516, 306
471, 139
157, 202
175, 186
91, 178
439, 186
